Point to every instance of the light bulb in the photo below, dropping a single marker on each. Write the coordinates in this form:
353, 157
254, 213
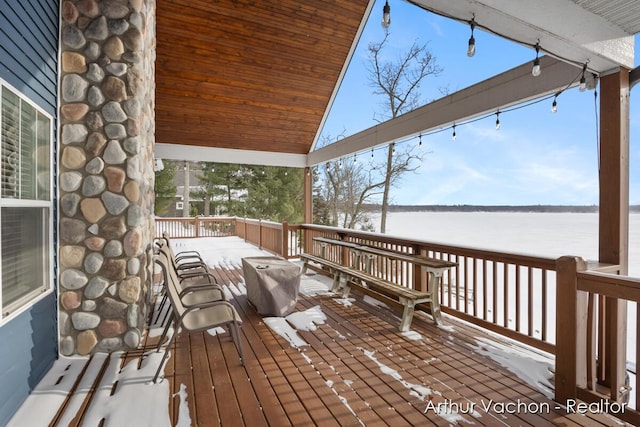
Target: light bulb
583, 81
497, 121
471, 48
386, 15
535, 71
454, 133
554, 106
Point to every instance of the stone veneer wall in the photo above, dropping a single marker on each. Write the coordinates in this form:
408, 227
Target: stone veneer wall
106, 175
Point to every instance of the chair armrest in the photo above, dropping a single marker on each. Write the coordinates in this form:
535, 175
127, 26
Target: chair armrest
210, 277
200, 287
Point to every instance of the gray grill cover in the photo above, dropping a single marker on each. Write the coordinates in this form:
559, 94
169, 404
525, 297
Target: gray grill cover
272, 284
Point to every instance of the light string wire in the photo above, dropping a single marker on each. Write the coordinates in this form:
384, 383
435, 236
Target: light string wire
489, 30
456, 125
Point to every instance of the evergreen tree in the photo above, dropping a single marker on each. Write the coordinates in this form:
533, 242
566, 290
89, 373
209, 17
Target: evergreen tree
276, 194
223, 185
165, 189
271, 193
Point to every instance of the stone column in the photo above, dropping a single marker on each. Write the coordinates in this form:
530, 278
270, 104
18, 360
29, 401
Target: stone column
106, 176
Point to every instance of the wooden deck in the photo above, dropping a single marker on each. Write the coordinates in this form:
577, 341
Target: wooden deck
357, 370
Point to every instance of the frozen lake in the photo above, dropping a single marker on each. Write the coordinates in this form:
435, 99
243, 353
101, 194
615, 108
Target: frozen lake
532, 233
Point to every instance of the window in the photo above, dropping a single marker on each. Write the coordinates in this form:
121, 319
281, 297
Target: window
179, 206
25, 201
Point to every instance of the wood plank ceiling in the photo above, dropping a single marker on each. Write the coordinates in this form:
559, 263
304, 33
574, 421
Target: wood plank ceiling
252, 75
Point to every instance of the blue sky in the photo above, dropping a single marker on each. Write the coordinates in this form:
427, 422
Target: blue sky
535, 158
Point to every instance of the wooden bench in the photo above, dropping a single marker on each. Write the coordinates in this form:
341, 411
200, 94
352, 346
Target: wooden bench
345, 277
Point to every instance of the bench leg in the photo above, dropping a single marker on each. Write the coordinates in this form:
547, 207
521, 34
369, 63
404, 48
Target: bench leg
336, 282
407, 314
344, 281
304, 268
435, 297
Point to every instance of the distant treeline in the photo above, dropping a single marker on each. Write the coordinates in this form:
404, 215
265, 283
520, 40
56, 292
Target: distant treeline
497, 208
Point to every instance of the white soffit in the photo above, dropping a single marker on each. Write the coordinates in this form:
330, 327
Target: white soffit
507, 89
227, 155
565, 29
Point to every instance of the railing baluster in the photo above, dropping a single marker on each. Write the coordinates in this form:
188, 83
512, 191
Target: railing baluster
543, 336
484, 289
530, 312
518, 289
495, 292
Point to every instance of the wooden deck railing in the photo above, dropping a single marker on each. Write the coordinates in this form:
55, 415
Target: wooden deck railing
181, 228
515, 295
281, 239
591, 359
506, 293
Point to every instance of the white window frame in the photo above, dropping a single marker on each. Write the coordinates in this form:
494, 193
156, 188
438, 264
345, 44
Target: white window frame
28, 300
179, 206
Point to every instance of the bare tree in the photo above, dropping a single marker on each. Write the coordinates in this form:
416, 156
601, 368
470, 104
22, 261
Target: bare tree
349, 186
399, 83
346, 186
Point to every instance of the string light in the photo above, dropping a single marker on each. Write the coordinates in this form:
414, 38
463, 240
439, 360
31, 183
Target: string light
386, 15
355, 159
535, 71
393, 149
554, 109
471, 48
583, 81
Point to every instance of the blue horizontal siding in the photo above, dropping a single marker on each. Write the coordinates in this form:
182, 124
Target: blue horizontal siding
28, 49
29, 63
27, 352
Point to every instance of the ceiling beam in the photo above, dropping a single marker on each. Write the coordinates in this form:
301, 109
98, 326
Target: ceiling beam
512, 87
228, 155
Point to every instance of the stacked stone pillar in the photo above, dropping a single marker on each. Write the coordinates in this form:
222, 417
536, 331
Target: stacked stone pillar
105, 173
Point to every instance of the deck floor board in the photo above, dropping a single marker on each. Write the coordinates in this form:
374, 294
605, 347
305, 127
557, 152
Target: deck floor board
355, 370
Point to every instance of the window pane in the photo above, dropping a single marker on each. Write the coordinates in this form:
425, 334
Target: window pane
27, 152
25, 267
10, 143
43, 157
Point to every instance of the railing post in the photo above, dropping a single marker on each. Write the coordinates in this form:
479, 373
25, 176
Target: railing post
344, 253
260, 233
571, 329
285, 239
197, 226
245, 228
306, 242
